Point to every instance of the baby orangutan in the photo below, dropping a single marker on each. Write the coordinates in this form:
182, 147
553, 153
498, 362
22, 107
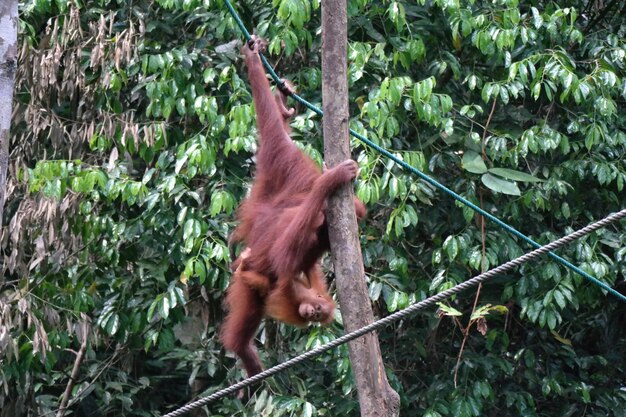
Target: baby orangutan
310, 300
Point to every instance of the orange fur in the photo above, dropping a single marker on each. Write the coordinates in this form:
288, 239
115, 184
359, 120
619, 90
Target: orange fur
309, 300
283, 221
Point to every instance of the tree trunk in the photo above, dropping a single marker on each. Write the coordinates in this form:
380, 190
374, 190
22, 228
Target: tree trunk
8, 57
376, 397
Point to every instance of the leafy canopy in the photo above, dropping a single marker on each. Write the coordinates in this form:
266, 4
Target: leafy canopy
133, 143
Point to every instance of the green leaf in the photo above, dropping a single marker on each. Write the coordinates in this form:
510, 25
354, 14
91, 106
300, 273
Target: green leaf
307, 410
536, 90
451, 246
585, 392
200, 270
188, 229
473, 162
217, 203
449, 311
487, 309
375, 290
391, 299
513, 175
393, 187
113, 324
499, 185
560, 299
537, 19
164, 307
153, 307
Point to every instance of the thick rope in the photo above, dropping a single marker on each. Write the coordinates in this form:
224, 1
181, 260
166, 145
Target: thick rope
400, 314
425, 177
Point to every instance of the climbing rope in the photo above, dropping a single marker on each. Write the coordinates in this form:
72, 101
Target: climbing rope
425, 177
400, 314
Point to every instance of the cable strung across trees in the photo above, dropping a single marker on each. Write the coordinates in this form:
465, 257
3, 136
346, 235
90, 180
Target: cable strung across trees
430, 301
428, 179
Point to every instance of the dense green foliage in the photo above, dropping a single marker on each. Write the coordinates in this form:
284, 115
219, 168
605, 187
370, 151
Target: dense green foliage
132, 145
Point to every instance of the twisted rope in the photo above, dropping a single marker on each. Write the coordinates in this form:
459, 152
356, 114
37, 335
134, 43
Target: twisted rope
400, 314
425, 177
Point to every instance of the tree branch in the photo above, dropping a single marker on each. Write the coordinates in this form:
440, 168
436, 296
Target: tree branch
84, 326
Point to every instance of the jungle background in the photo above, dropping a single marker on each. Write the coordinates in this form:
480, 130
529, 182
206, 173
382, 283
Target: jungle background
132, 143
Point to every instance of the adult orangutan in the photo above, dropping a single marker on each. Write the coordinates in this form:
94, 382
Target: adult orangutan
283, 223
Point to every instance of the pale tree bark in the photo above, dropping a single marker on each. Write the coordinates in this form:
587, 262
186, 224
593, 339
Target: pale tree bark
8, 59
82, 333
376, 397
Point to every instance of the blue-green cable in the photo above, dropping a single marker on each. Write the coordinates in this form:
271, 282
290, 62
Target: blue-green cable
425, 177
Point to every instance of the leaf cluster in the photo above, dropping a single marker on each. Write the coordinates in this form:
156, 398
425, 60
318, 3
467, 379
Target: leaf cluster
133, 142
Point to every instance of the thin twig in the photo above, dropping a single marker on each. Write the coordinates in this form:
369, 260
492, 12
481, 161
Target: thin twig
75, 370
467, 329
